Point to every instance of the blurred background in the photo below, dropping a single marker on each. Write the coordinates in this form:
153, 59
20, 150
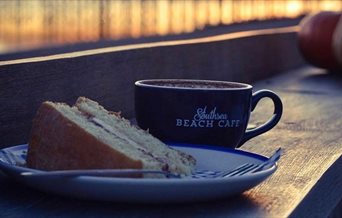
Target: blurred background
34, 24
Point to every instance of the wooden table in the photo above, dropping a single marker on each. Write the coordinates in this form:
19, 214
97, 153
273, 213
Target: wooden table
308, 182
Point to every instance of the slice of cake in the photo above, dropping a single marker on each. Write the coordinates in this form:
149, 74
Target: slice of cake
87, 136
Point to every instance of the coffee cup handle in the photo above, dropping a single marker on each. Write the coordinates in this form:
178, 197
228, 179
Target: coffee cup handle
278, 110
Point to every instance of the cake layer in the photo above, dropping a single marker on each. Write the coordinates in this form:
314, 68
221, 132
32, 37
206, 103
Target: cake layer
152, 151
87, 136
58, 143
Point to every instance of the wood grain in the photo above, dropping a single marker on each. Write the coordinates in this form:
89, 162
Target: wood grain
308, 182
310, 134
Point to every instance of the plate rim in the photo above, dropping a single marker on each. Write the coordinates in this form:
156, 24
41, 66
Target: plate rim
267, 172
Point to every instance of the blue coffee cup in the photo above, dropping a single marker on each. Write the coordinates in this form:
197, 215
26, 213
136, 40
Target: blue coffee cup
201, 111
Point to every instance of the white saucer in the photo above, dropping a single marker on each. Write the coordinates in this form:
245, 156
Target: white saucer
148, 190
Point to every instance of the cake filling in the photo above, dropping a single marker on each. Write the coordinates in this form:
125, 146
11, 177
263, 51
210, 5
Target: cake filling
112, 131
161, 152
116, 133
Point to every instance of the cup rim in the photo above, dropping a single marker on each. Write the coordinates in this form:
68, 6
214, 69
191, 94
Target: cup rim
144, 83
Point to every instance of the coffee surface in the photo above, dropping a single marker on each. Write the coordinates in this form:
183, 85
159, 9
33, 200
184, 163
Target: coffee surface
196, 84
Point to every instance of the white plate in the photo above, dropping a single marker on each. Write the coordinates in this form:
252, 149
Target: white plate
149, 190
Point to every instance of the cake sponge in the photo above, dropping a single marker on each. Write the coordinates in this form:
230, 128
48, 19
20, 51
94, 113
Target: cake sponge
87, 136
